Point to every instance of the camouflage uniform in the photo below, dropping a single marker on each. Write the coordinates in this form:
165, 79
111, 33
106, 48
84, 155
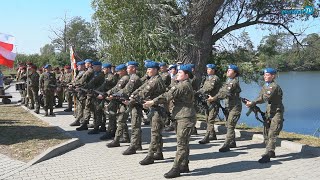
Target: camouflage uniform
230, 91
152, 88
109, 82
22, 77
33, 90
67, 79
47, 86
184, 113
122, 129
272, 95
113, 105
80, 98
166, 78
211, 87
59, 90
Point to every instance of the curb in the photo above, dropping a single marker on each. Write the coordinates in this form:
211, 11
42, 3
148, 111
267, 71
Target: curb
292, 146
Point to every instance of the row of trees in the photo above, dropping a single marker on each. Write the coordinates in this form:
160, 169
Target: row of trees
184, 30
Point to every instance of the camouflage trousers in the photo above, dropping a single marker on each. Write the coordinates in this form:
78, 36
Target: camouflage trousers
68, 97
113, 107
210, 119
88, 109
98, 113
33, 97
157, 124
81, 99
271, 133
59, 94
233, 117
184, 130
48, 98
136, 120
23, 94
122, 127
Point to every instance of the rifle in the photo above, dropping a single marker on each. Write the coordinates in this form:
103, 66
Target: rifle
202, 105
257, 110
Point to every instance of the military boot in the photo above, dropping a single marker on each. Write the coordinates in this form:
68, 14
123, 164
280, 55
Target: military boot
138, 147
233, 144
68, 110
224, 148
51, 113
184, 168
147, 160
194, 131
264, 159
205, 140
174, 172
90, 125
37, 111
46, 112
114, 143
213, 135
107, 135
31, 106
158, 156
130, 150
94, 131
169, 128
75, 123
271, 154
82, 127
125, 138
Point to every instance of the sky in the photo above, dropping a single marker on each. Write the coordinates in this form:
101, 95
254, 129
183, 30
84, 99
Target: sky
30, 21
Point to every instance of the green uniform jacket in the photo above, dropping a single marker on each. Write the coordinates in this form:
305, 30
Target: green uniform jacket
166, 78
109, 82
34, 80
77, 79
96, 80
211, 85
133, 84
230, 91
48, 81
183, 99
272, 95
121, 84
86, 77
151, 88
67, 78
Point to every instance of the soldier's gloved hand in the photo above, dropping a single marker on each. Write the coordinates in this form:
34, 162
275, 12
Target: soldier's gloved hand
148, 104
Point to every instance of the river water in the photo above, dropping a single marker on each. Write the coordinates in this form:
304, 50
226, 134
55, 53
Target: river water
301, 100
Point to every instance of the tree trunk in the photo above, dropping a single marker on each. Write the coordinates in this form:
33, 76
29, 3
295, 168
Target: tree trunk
200, 23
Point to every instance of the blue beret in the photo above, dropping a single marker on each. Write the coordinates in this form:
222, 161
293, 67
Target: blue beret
152, 64
270, 70
185, 67
233, 67
147, 60
88, 61
192, 65
211, 66
80, 63
133, 63
162, 64
120, 67
47, 66
173, 66
106, 65
96, 63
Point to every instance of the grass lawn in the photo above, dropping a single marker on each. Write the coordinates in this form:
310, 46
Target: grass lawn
24, 136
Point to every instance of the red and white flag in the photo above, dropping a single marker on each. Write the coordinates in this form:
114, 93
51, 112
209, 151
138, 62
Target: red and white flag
6, 46
72, 59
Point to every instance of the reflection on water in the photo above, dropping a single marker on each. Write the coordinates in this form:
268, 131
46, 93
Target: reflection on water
301, 101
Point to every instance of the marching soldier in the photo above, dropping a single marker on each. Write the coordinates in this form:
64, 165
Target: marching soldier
33, 88
184, 113
171, 124
133, 84
152, 88
271, 93
211, 87
230, 91
47, 87
164, 73
67, 79
113, 106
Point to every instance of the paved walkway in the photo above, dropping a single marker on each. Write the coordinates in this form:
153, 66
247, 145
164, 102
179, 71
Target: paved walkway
95, 161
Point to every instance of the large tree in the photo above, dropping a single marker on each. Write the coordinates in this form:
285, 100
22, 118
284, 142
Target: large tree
201, 23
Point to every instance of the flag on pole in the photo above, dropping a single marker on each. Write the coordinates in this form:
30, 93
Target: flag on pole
73, 61
6, 46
